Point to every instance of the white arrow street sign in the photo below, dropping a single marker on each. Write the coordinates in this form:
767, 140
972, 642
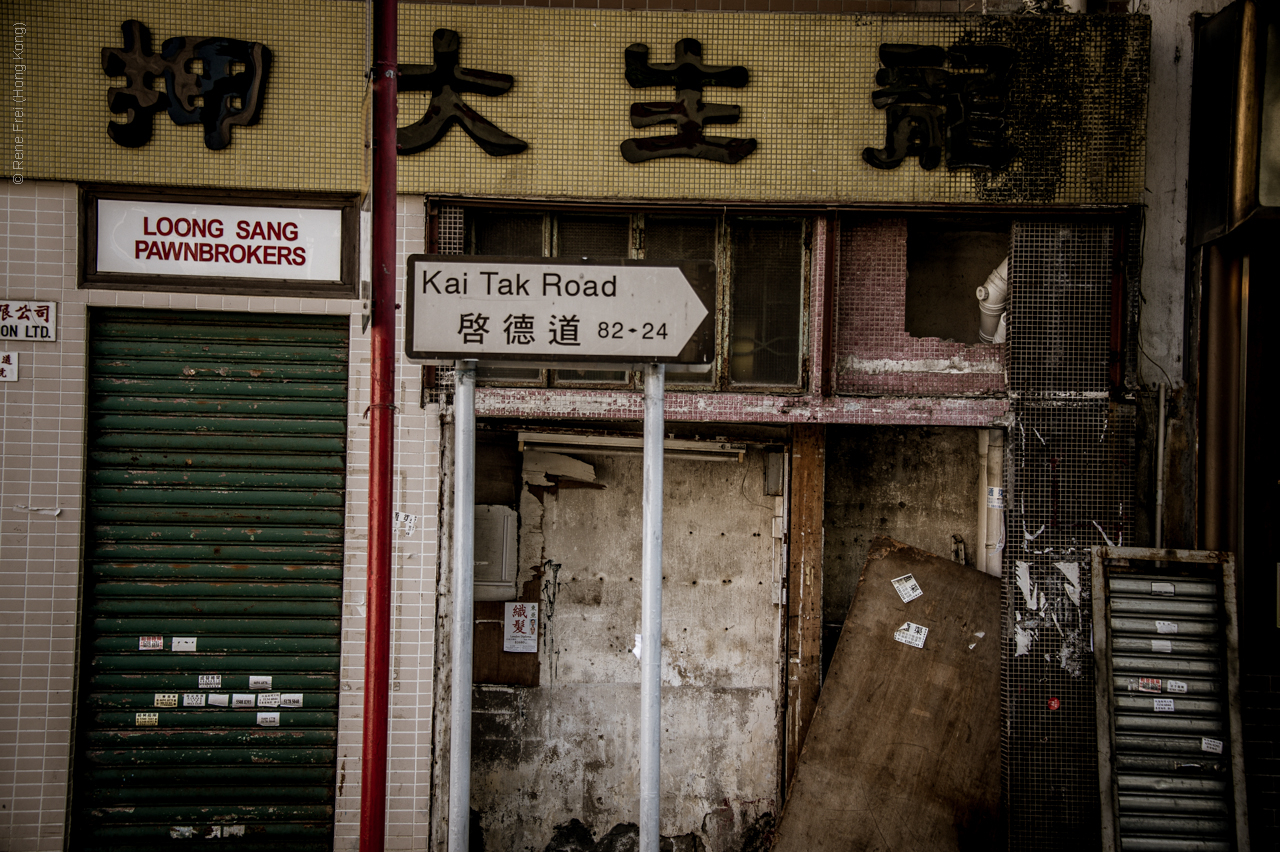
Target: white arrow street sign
466, 307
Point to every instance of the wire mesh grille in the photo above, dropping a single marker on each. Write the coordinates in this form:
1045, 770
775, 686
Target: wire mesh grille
512, 234
1069, 481
451, 231
1059, 331
593, 237
764, 331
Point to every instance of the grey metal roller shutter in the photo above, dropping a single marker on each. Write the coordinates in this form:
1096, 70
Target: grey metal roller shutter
215, 497
1169, 724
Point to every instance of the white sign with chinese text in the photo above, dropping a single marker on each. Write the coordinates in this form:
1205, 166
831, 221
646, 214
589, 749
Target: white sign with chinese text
21, 319
219, 240
8, 366
520, 627
471, 307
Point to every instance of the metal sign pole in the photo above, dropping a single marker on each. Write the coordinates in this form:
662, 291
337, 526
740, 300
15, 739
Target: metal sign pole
464, 521
651, 611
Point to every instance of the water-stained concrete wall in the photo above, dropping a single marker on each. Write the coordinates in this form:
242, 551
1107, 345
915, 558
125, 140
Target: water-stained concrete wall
568, 748
916, 485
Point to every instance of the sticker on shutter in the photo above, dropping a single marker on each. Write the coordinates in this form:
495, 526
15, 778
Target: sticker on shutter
166, 699
269, 720
259, 681
150, 643
269, 699
183, 643
146, 720
1163, 705
193, 699
211, 681
291, 699
219, 699
1211, 745
241, 699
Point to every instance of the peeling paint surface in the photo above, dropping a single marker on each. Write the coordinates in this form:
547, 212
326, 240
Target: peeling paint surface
568, 749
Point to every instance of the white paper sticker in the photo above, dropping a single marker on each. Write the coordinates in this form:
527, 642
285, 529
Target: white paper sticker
259, 681
1176, 686
146, 720
269, 720
636, 649
907, 587
995, 498
150, 643
291, 699
210, 681
1161, 646
269, 699
219, 699
233, 831
241, 699
1162, 705
183, 643
193, 699
1166, 590
1166, 627
1148, 684
182, 832
912, 634
166, 699
520, 627
8, 366
1211, 745
407, 522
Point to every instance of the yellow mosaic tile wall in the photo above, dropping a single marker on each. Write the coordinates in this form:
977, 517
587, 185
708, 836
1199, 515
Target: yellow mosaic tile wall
1080, 123
309, 137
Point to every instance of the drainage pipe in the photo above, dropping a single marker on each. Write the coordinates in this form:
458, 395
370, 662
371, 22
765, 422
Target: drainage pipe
464, 527
994, 543
992, 298
1160, 474
980, 557
651, 612
377, 648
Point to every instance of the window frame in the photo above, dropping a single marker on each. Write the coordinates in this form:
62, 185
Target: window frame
724, 219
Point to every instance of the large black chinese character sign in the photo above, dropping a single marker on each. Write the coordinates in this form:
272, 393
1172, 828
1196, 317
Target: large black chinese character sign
447, 82
216, 82
688, 112
936, 100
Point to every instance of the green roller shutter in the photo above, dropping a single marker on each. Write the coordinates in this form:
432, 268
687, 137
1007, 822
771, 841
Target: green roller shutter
215, 495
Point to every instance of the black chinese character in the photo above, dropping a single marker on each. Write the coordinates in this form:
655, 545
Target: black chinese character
930, 107
519, 329
688, 112
217, 82
564, 330
447, 82
473, 328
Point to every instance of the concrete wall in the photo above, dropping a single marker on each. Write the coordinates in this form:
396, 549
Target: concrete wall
917, 485
568, 748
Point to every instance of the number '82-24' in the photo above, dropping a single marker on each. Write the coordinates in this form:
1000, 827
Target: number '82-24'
614, 331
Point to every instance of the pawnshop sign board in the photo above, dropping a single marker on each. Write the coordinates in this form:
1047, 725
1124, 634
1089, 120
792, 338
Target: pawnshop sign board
192, 242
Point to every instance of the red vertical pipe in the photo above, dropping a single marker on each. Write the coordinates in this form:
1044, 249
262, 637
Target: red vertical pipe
377, 648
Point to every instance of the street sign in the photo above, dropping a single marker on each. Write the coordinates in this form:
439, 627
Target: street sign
541, 309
